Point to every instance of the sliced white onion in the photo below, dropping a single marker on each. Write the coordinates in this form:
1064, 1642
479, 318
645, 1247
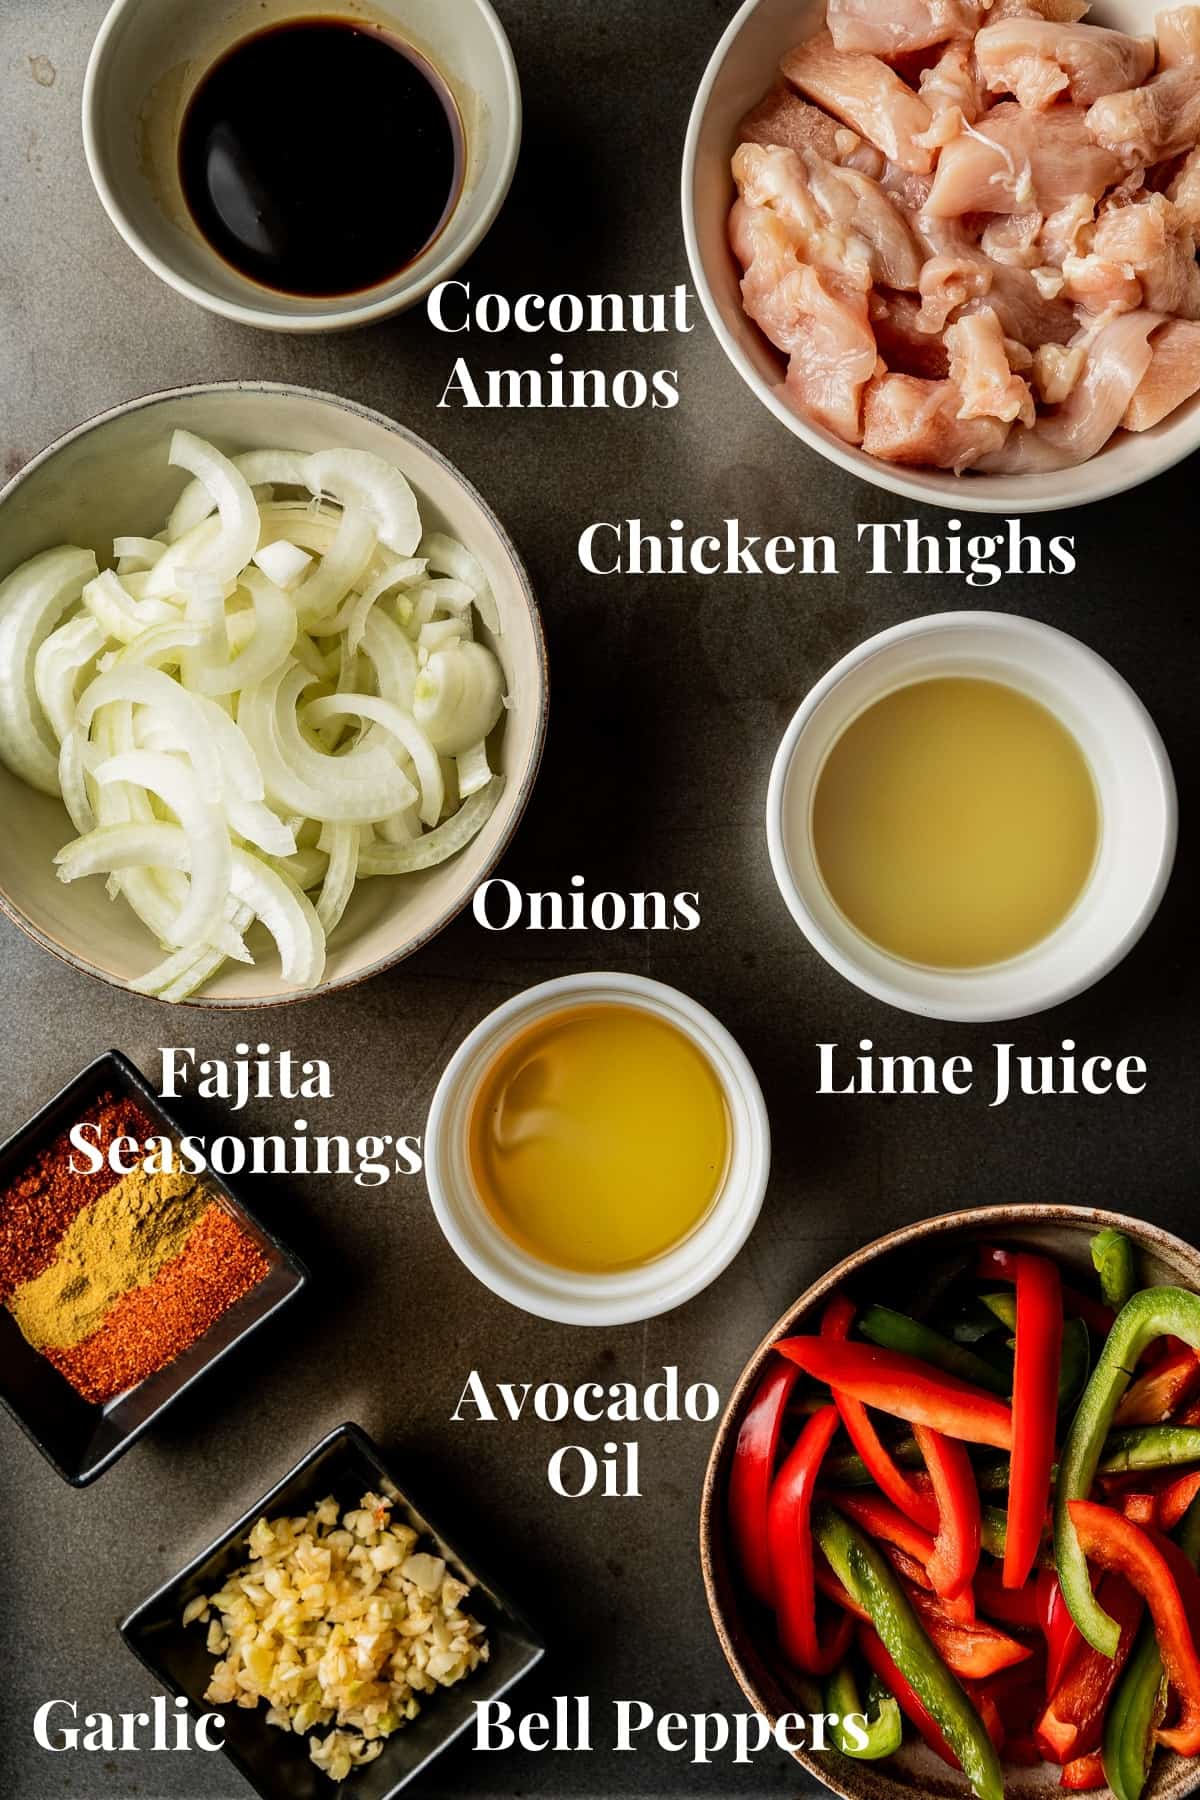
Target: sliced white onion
472, 770
143, 551
227, 555
286, 912
340, 569
118, 614
433, 847
340, 842
459, 696
159, 645
258, 468
167, 576
358, 476
269, 648
352, 616
32, 601
56, 669
210, 854
446, 555
151, 687
394, 659
405, 730
283, 562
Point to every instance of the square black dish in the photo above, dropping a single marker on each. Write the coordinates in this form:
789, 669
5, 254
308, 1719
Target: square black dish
346, 1464
79, 1438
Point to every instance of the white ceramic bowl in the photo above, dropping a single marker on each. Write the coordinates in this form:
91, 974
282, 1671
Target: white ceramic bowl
1133, 779
741, 69
111, 476
145, 66
570, 1297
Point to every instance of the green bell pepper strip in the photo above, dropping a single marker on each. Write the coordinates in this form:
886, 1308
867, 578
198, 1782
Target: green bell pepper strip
882, 1722
1140, 1702
869, 1581
846, 1468
1003, 1308
1150, 1447
1112, 1259
1076, 1362
896, 1331
1152, 1313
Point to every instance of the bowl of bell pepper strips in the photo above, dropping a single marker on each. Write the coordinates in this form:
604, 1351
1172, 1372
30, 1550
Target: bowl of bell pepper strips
956, 1496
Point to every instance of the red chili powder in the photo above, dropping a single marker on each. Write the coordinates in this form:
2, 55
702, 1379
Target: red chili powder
150, 1326
37, 1207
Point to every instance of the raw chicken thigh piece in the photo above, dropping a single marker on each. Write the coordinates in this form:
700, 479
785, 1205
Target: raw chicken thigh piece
1172, 378
781, 117
1021, 161
953, 92
842, 220
1059, 12
1154, 240
1118, 359
1178, 33
898, 26
1056, 369
981, 370
916, 422
866, 95
1152, 122
1014, 239
900, 340
833, 353
1185, 190
1038, 61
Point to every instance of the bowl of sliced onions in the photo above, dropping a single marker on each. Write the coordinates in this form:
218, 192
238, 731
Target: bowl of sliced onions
273, 694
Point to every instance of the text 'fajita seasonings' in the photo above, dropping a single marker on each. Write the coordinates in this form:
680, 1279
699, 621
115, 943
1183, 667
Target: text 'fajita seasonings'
110, 1276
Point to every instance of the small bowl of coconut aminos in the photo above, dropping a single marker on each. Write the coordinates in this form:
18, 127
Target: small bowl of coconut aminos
302, 168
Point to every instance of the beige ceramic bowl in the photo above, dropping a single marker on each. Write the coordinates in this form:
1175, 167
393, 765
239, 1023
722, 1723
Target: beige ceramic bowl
742, 68
111, 476
904, 1263
148, 59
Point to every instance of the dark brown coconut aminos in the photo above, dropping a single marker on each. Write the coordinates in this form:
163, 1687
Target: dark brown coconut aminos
321, 156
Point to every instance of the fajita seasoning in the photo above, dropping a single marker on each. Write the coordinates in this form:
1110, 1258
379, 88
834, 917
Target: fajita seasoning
112, 1277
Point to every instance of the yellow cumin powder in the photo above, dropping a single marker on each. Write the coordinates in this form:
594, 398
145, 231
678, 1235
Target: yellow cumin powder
118, 1243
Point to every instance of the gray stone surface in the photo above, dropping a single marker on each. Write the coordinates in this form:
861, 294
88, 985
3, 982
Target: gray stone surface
669, 699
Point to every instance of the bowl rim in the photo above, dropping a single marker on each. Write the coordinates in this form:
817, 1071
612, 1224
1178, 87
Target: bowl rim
1036, 493
256, 1003
891, 992
986, 1220
398, 299
587, 1303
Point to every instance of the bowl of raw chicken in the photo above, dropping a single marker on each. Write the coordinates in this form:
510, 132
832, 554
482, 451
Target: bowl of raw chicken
951, 244
272, 694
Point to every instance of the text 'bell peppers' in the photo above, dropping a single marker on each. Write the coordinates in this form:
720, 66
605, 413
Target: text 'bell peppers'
1073, 1718
1035, 1411
750, 1475
1118, 1545
906, 1388
956, 1546
866, 1577
789, 1541
915, 1503
1153, 1313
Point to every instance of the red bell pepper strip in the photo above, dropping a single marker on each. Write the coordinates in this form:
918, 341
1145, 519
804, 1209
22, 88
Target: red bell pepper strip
876, 1656
1142, 1509
1063, 1636
750, 1476
1085, 1773
1000, 1265
1073, 1721
974, 1651
1175, 1499
883, 1520
1023, 1607
1154, 1397
955, 1557
790, 1547
916, 1503
1035, 1411
1116, 1544
905, 1387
